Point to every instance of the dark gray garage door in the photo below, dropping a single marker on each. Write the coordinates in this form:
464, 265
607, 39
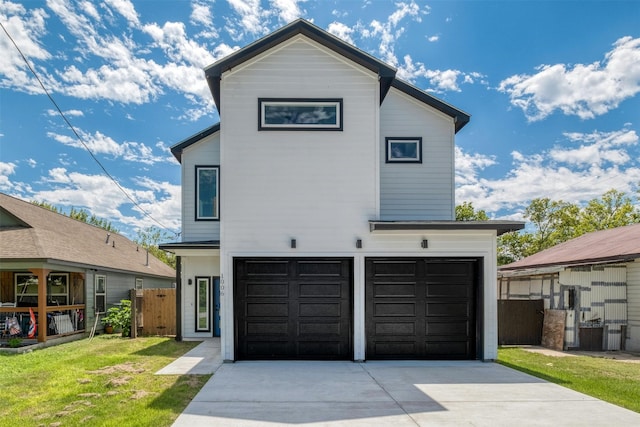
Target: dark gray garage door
293, 308
421, 308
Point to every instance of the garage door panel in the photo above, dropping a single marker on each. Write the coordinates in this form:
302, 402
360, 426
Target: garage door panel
306, 314
426, 312
313, 290
265, 290
394, 269
450, 290
319, 309
450, 350
447, 328
319, 269
396, 349
319, 328
266, 268
447, 309
314, 349
395, 328
448, 269
391, 290
267, 309
268, 348
395, 309
267, 328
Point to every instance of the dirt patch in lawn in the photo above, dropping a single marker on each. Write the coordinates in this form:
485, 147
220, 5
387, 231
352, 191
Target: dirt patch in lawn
130, 368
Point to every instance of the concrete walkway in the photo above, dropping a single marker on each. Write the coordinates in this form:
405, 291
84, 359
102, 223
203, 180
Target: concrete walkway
399, 394
201, 360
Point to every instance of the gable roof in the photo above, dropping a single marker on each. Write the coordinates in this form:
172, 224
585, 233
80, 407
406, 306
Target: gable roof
612, 245
29, 232
386, 73
176, 150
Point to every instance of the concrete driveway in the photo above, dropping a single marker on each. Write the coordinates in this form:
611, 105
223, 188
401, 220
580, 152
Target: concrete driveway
391, 394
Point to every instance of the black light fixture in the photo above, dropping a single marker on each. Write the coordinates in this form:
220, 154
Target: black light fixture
359, 243
424, 244
293, 243
189, 281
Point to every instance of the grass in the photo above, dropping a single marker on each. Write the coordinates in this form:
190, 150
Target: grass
606, 379
108, 381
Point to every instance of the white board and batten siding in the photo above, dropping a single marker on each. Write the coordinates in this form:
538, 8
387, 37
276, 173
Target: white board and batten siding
318, 187
417, 191
204, 153
633, 301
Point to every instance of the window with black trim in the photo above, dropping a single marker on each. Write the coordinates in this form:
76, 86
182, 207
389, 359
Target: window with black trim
403, 150
300, 114
207, 193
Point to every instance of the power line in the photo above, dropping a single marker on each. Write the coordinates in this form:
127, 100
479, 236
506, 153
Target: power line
55, 104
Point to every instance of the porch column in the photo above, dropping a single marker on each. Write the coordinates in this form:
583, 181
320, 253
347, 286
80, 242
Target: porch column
42, 302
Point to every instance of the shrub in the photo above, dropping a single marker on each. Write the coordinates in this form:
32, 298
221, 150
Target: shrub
120, 317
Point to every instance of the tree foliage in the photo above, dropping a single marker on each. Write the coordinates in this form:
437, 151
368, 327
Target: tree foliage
551, 222
150, 238
80, 215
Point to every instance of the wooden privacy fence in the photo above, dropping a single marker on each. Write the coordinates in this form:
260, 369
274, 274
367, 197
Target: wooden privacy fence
154, 312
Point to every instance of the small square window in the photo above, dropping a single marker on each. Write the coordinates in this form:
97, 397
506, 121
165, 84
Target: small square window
299, 114
404, 150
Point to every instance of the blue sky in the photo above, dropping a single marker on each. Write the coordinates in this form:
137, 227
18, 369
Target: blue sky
553, 89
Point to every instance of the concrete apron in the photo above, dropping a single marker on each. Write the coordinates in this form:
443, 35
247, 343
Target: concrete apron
391, 394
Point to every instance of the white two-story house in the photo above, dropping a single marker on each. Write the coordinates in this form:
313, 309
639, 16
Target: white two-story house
318, 214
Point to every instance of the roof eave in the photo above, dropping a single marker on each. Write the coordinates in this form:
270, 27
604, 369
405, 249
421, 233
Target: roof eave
177, 149
214, 71
500, 227
614, 259
460, 118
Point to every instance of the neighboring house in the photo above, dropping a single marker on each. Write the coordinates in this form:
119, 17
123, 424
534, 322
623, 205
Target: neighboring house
595, 278
318, 216
66, 270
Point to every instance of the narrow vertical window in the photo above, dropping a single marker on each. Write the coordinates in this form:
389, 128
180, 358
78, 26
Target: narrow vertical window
100, 294
203, 302
207, 193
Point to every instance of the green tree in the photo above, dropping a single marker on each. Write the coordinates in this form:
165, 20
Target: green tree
466, 212
613, 209
80, 215
150, 238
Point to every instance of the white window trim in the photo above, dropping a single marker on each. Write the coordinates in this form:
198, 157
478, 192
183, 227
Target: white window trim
96, 293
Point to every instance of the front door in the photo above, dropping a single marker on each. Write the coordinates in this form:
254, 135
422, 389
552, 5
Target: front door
216, 306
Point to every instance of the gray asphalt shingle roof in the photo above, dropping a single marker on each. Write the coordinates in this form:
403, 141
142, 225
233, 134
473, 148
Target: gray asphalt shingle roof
41, 234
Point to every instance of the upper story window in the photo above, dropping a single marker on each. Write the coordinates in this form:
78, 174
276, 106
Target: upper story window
403, 150
299, 114
207, 193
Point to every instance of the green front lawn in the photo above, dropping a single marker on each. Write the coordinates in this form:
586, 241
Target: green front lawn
108, 381
606, 379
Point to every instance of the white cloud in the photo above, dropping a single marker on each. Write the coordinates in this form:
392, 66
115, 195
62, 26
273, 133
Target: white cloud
439, 80
583, 90
287, 10
68, 113
341, 31
251, 19
32, 163
572, 174
126, 9
433, 39
27, 28
101, 144
100, 195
